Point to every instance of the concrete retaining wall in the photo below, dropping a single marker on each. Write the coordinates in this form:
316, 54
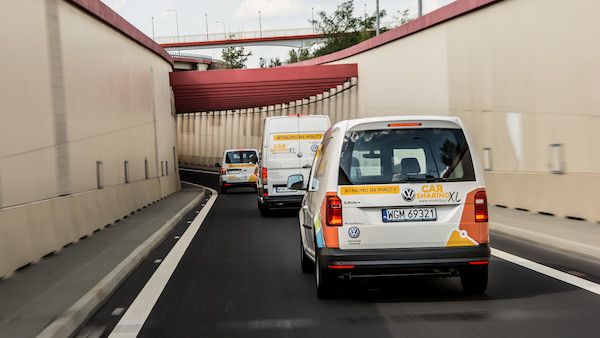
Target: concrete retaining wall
77, 90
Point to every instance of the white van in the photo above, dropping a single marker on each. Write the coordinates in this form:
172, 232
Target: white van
288, 145
395, 196
239, 168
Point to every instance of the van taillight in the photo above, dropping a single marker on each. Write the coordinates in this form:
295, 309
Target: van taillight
481, 210
334, 211
223, 171
264, 175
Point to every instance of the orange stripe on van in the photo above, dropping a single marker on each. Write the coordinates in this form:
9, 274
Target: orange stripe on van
478, 231
330, 233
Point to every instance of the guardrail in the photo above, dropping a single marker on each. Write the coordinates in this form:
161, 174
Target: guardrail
253, 34
178, 54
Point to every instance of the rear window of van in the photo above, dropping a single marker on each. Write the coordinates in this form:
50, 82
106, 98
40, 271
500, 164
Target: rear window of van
405, 155
242, 156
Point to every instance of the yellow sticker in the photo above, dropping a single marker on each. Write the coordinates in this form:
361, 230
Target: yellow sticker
460, 238
243, 165
372, 189
297, 137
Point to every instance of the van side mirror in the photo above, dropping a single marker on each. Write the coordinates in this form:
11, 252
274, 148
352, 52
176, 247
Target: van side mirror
296, 182
253, 159
217, 164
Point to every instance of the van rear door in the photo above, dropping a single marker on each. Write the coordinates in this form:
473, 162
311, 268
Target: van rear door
239, 167
404, 187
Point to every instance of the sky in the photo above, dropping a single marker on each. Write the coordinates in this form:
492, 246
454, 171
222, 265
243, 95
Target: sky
158, 17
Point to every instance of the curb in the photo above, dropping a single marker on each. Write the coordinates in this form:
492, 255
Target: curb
543, 239
67, 324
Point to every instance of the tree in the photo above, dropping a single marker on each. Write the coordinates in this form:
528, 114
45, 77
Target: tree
403, 16
273, 62
342, 29
234, 57
297, 56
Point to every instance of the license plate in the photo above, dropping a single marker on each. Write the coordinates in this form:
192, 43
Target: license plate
409, 214
283, 189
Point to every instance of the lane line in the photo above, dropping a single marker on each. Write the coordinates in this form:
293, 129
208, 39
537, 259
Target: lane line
133, 320
200, 171
548, 271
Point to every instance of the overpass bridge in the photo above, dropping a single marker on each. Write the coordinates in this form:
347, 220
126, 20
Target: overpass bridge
93, 131
293, 38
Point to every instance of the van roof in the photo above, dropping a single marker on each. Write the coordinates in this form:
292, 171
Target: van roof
402, 118
228, 150
295, 124
295, 116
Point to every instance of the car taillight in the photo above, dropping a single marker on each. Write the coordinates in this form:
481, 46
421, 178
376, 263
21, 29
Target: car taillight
264, 175
481, 210
223, 171
334, 211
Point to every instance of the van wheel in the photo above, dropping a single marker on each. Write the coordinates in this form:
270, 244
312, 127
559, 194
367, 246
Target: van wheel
474, 281
325, 281
223, 189
306, 263
264, 210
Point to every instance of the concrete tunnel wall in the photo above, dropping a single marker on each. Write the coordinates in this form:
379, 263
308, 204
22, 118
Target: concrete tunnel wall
523, 75
76, 91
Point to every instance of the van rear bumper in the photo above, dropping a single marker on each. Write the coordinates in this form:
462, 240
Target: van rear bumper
403, 262
293, 201
238, 184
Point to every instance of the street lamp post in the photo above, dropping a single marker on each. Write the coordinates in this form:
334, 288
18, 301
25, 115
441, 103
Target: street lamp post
224, 30
176, 21
206, 17
313, 20
259, 24
377, 9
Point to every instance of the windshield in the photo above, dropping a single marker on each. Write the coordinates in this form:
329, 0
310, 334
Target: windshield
242, 156
405, 155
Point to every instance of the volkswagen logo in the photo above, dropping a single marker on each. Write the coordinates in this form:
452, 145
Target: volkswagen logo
353, 232
408, 194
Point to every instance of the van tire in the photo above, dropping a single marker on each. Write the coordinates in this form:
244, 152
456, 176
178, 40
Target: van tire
325, 281
305, 262
264, 210
223, 189
474, 281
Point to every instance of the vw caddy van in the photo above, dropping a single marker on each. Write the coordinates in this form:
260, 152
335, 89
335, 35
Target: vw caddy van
395, 196
288, 145
239, 168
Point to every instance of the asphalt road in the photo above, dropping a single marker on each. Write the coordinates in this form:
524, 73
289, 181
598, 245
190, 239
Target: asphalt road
241, 277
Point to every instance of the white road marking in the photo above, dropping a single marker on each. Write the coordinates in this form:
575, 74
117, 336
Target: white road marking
118, 311
201, 171
548, 271
133, 320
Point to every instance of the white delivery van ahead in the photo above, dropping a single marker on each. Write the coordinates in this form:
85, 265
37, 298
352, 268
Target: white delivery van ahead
239, 168
395, 196
288, 145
